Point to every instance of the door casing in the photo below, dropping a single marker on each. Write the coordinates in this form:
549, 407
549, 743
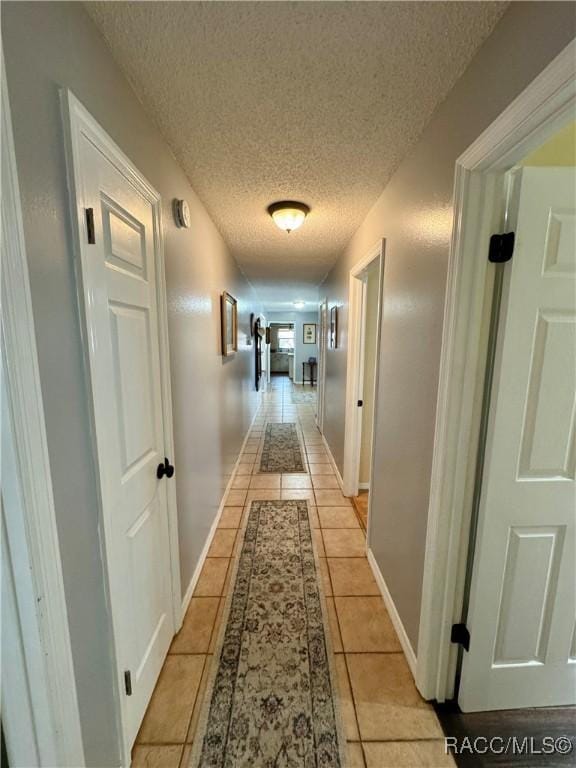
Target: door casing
79, 122
503, 454
541, 110
321, 383
38, 641
355, 369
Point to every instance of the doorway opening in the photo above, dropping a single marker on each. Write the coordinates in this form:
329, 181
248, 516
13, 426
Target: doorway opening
500, 545
371, 280
322, 340
522, 660
364, 307
282, 349
525, 489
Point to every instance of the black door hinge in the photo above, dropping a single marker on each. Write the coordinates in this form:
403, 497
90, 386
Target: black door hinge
128, 682
360, 403
501, 248
90, 226
460, 635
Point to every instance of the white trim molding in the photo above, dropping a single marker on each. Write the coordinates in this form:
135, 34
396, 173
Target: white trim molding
354, 366
393, 613
547, 104
321, 368
35, 543
333, 462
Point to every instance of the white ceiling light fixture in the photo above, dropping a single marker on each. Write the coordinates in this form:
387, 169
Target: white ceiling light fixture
288, 214
299, 304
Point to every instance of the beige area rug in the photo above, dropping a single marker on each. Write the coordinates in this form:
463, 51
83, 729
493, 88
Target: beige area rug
271, 702
282, 451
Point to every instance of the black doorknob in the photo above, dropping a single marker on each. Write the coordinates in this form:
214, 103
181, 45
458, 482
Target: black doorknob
165, 469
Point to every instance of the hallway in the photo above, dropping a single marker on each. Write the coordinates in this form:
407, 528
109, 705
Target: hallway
385, 720
203, 568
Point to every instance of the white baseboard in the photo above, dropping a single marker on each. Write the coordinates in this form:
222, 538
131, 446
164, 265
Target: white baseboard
333, 462
196, 575
393, 613
363, 486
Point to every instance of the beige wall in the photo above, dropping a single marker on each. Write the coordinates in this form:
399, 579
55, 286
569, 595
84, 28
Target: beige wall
558, 151
414, 214
370, 339
47, 46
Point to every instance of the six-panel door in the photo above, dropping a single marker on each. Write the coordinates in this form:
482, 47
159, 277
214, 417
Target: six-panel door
523, 597
119, 276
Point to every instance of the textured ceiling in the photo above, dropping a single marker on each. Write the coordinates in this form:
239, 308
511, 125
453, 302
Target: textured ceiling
312, 101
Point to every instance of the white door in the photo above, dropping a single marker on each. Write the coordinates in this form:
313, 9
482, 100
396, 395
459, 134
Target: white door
121, 313
523, 593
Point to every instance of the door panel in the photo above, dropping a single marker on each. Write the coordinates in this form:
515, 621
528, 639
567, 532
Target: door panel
119, 280
130, 333
124, 240
533, 561
560, 246
523, 592
547, 449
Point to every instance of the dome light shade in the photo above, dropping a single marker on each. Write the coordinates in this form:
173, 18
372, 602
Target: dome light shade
288, 214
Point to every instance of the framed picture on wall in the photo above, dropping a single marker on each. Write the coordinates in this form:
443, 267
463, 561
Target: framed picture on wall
333, 327
229, 321
309, 333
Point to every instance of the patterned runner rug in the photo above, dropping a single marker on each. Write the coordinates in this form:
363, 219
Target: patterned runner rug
281, 452
271, 701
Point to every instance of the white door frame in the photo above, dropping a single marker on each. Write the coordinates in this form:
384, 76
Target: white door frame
32, 537
321, 383
545, 106
265, 354
78, 122
355, 367
293, 324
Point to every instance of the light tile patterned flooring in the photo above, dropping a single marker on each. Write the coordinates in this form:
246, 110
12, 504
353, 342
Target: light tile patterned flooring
387, 723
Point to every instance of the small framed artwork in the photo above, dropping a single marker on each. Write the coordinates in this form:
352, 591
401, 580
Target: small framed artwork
334, 327
309, 333
229, 320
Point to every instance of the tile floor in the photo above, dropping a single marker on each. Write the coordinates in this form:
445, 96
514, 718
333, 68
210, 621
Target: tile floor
361, 506
387, 723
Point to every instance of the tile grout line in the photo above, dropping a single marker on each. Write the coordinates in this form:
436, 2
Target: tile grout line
338, 623
311, 501
352, 698
186, 741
